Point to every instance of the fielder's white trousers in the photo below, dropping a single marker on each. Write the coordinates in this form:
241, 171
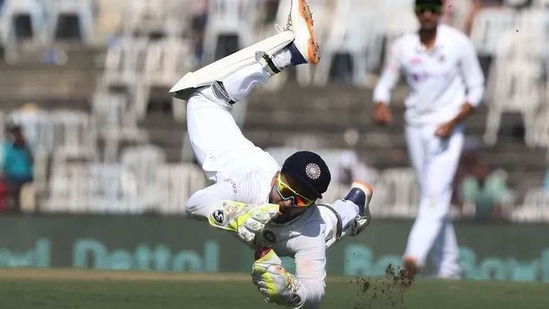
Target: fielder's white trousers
435, 162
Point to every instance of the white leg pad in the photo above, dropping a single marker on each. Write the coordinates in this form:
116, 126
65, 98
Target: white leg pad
222, 68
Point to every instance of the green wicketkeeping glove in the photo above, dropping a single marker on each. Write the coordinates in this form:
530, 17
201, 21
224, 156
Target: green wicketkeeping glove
275, 283
243, 219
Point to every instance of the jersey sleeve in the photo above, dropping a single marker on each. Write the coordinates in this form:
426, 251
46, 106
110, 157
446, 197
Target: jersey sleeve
389, 76
203, 202
310, 266
472, 74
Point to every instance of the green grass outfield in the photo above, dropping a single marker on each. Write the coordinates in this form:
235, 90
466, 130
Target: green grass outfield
58, 289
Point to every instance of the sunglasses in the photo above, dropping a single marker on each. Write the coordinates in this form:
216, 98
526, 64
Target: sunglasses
433, 8
287, 193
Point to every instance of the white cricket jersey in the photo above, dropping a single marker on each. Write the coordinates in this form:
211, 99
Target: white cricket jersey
440, 80
302, 238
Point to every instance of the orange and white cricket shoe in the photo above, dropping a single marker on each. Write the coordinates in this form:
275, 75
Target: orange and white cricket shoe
305, 48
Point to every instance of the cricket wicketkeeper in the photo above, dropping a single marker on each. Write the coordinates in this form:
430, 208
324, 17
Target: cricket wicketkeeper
269, 207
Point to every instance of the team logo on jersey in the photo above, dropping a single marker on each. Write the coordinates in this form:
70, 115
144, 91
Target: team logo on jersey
415, 60
312, 170
269, 236
219, 216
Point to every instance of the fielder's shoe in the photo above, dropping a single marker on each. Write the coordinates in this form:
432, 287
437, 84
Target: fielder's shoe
410, 267
304, 48
361, 194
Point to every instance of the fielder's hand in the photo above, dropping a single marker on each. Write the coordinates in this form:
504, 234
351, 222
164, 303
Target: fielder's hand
445, 129
243, 219
382, 114
275, 283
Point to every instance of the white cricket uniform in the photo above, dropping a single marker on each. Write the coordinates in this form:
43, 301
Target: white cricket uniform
243, 173
440, 81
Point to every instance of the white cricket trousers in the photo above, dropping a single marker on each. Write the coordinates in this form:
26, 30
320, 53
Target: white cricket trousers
217, 142
435, 162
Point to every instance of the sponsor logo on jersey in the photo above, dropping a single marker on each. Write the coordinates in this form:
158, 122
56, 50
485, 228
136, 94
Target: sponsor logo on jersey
415, 60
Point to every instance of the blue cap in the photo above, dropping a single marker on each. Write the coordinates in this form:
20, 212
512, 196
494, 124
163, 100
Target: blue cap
310, 170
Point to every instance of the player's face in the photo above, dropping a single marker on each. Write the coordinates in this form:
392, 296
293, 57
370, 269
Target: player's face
428, 16
290, 201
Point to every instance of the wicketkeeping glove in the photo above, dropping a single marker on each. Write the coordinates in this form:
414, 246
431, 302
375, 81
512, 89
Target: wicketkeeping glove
243, 219
275, 283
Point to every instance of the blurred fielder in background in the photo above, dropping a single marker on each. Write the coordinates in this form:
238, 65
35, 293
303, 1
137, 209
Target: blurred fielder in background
268, 207
446, 84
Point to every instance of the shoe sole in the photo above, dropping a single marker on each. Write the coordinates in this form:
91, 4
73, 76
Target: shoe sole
313, 49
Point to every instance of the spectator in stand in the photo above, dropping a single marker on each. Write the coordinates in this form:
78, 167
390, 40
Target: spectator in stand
17, 165
486, 191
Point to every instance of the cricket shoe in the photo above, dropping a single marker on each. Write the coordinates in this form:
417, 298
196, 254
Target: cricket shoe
410, 267
361, 195
304, 48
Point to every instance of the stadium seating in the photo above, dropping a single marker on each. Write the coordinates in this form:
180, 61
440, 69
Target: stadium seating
73, 131
144, 18
112, 104
177, 181
347, 36
535, 207
60, 13
143, 162
164, 62
540, 4
228, 18
488, 24
123, 63
401, 193
515, 83
22, 21
116, 122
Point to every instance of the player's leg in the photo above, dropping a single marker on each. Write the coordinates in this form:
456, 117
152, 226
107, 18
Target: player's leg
433, 214
216, 140
445, 254
348, 216
417, 150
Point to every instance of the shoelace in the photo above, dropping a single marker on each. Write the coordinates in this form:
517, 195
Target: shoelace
288, 26
279, 28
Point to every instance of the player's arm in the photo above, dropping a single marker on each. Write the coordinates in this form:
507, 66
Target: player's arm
216, 205
382, 92
474, 82
202, 203
472, 74
305, 289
